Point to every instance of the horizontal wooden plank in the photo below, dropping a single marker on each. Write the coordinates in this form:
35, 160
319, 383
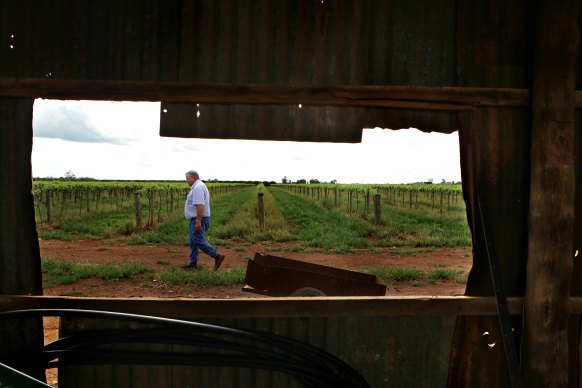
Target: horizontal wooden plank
417, 97
277, 307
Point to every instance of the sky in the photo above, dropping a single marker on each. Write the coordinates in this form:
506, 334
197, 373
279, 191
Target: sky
120, 140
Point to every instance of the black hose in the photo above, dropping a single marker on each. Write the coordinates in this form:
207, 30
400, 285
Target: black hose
238, 348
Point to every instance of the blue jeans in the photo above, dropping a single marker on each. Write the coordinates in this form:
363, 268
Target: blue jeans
198, 241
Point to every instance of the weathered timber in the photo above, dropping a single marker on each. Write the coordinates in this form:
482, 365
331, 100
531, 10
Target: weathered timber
279, 307
552, 189
484, 171
20, 271
421, 97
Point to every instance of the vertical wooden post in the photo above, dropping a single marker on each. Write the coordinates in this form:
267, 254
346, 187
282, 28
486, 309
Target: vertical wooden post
39, 210
63, 198
151, 208
20, 272
261, 206
552, 189
48, 206
160, 203
377, 209
138, 221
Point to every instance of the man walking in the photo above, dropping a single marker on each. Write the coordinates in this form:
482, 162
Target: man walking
197, 210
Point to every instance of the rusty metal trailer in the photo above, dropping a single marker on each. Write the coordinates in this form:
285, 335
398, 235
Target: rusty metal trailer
280, 276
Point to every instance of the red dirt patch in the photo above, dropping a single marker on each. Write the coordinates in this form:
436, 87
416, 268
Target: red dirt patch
164, 257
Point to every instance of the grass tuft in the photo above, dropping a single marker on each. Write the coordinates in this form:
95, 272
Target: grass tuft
64, 272
202, 278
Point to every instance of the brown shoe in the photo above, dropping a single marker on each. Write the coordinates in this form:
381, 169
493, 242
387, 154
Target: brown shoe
218, 261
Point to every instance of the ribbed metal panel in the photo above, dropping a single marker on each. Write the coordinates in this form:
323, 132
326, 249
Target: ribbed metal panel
318, 42
311, 42
99, 40
397, 351
398, 42
260, 41
368, 42
495, 43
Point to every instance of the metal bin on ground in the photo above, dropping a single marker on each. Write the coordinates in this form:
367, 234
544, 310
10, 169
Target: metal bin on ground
279, 276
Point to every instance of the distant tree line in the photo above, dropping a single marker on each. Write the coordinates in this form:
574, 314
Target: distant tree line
304, 181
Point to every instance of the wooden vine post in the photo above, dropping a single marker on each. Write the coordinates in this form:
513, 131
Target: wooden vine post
151, 208
261, 207
138, 221
48, 206
63, 198
377, 210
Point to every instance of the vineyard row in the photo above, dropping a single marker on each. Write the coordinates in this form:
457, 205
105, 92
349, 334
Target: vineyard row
150, 201
55, 198
442, 197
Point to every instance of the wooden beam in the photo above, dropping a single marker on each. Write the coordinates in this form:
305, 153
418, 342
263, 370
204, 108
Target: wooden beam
277, 307
416, 97
545, 358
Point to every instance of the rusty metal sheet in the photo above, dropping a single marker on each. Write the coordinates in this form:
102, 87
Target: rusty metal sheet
366, 42
308, 123
225, 41
495, 43
402, 351
280, 276
286, 42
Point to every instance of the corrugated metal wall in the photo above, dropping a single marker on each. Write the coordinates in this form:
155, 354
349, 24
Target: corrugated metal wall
244, 41
396, 351
233, 41
317, 43
351, 42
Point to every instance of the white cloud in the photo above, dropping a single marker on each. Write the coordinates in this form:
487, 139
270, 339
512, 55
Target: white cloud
112, 140
58, 120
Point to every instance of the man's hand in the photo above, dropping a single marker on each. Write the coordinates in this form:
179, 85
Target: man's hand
198, 226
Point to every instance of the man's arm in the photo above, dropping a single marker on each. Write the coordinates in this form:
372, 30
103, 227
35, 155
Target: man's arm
199, 215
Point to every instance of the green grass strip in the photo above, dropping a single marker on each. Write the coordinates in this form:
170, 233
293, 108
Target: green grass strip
245, 227
65, 272
426, 227
57, 271
391, 275
319, 227
202, 277
448, 274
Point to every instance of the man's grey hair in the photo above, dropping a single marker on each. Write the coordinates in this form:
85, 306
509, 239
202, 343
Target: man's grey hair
193, 173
